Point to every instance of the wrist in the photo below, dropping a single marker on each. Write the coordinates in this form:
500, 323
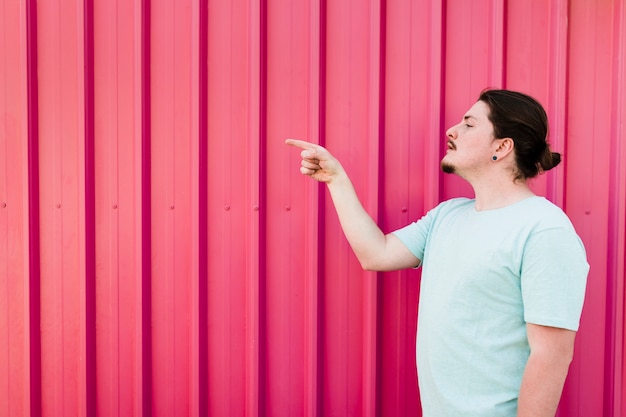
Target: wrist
339, 179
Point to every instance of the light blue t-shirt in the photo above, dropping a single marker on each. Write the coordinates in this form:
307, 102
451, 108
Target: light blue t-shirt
485, 275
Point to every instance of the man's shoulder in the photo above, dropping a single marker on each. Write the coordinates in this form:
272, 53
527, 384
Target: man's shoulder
543, 211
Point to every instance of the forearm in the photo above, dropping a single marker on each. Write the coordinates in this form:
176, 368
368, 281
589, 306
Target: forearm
365, 237
542, 385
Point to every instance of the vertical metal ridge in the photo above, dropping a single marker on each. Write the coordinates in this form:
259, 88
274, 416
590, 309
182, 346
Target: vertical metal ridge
90, 211
437, 120
616, 296
432, 145
382, 129
318, 223
146, 212
371, 394
557, 102
203, 239
380, 63
262, 212
312, 263
262, 198
255, 271
34, 307
497, 34
503, 35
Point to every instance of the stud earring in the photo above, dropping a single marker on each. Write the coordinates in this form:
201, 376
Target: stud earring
494, 157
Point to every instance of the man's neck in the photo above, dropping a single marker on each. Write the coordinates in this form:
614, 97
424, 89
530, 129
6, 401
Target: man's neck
500, 193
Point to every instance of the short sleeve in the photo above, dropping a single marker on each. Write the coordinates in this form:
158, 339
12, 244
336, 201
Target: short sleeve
415, 235
553, 278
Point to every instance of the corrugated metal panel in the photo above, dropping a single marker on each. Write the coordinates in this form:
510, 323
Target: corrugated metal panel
160, 253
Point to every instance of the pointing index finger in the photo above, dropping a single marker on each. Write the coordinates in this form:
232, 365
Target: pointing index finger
301, 144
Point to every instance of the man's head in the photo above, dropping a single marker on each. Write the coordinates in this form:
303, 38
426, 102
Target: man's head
520, 117
513, 127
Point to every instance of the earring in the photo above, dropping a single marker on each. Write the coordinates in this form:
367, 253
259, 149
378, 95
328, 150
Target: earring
494, 157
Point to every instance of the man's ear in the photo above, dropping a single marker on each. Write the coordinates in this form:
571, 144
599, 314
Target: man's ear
504, 147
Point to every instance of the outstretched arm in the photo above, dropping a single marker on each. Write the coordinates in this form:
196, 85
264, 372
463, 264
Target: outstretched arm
374, 250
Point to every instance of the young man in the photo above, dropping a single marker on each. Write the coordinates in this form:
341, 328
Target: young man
504, 274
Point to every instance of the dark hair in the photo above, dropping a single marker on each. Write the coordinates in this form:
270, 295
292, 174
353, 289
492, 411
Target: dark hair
520, 117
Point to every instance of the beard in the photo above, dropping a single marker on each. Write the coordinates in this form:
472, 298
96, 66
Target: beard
447, 167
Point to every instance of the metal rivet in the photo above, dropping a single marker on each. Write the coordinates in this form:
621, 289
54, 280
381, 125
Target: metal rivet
172, 207
4, 205
587, 212
287, 208
58, 205
114, 206
226, 207
255, 207
404, 209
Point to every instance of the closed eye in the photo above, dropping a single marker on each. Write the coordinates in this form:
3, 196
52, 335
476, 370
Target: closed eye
467, 118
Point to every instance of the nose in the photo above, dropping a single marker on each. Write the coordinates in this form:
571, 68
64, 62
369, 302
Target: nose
451, 132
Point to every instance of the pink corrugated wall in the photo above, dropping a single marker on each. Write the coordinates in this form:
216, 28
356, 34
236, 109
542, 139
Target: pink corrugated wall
160, 255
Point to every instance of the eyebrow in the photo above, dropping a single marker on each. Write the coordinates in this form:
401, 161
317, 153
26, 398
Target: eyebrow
468, 116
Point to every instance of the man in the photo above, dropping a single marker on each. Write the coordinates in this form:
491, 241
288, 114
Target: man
504, 274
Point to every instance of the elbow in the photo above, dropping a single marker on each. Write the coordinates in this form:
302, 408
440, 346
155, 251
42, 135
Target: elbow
368, 266
377, 266
372, 265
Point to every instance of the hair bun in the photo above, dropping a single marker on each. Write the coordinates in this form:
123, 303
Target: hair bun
550, 160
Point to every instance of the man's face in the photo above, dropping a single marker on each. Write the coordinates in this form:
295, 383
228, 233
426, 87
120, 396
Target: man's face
469, 143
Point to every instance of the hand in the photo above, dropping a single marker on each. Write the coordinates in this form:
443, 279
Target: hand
317, 162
